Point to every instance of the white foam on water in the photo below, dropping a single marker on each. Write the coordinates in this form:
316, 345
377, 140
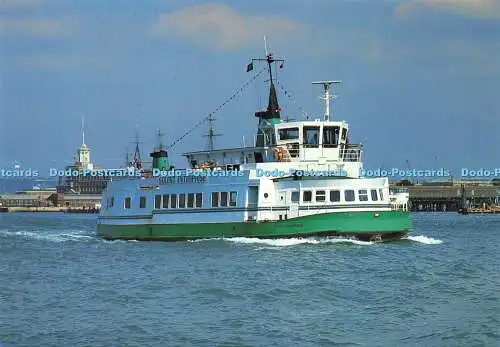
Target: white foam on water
45, 236
203, 240
294, 241
424, 239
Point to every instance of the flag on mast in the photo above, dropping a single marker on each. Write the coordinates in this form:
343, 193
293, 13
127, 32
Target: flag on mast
250, 67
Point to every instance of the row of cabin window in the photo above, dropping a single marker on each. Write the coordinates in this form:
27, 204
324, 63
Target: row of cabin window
224, 199
349, 195
190, 200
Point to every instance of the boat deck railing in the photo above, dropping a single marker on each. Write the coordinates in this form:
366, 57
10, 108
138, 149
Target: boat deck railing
397, 206
351, 153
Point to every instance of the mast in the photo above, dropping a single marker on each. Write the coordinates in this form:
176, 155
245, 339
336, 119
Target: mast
160, 135
210, 134
271, 116
327, 96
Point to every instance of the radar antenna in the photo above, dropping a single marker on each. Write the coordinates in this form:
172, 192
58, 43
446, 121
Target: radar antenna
327, 96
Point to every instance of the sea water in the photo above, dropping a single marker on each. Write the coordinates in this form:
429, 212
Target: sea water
61, 285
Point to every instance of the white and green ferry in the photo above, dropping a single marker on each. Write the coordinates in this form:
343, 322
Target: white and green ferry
300, 179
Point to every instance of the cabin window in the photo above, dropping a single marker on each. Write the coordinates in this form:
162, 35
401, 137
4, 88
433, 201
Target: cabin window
320, 195
307, 196
334, 195
374, 195
127, 202
182, 201
223, 199
232, 198
311, 136
157, 201
215, 199
166, 199
344, 134
363, 195
293, 149
199, 200
258, 157
289, 134
111, 201
173, 200
142, 202
295, 197
331, 136
349, 195
190, 203
381, 192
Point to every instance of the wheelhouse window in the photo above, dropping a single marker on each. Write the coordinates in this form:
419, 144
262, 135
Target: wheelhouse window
157, 201
232, 198
295, 197
182, 201
173, 200
349, 195
374, 195
199, 200
363, 195
215, 199
288, 134
320, 195
334, 195
311, 136
344, 134
223, 199
142, 202
307, 196
166, 199
293, 149
128, 202
331, 136
381, 192
112, 201
190, 202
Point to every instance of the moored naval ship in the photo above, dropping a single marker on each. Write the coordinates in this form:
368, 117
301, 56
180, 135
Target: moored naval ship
300, 179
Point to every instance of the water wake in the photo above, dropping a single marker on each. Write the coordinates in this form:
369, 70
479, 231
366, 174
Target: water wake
288, 242
43, 235
424, 239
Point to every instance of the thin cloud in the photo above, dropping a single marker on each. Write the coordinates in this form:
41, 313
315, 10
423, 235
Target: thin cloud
489, 9
39, 27
221, 26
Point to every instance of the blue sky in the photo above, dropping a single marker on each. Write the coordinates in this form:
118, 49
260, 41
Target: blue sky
421, 77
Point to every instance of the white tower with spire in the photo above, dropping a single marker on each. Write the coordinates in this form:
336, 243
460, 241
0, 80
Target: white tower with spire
83, 153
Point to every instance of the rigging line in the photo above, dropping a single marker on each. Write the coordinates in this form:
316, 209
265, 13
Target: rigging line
231, 98
304, 113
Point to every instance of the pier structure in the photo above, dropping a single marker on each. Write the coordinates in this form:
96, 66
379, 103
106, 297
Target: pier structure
451, 196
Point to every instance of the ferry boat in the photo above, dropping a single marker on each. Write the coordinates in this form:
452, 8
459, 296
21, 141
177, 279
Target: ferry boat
299, 179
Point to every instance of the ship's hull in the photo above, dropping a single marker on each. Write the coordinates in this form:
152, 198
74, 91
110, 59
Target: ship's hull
366, 225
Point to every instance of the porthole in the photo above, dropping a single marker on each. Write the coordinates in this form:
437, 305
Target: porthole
266, 195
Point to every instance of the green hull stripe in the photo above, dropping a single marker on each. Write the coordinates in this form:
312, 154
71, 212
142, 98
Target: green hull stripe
360, 224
